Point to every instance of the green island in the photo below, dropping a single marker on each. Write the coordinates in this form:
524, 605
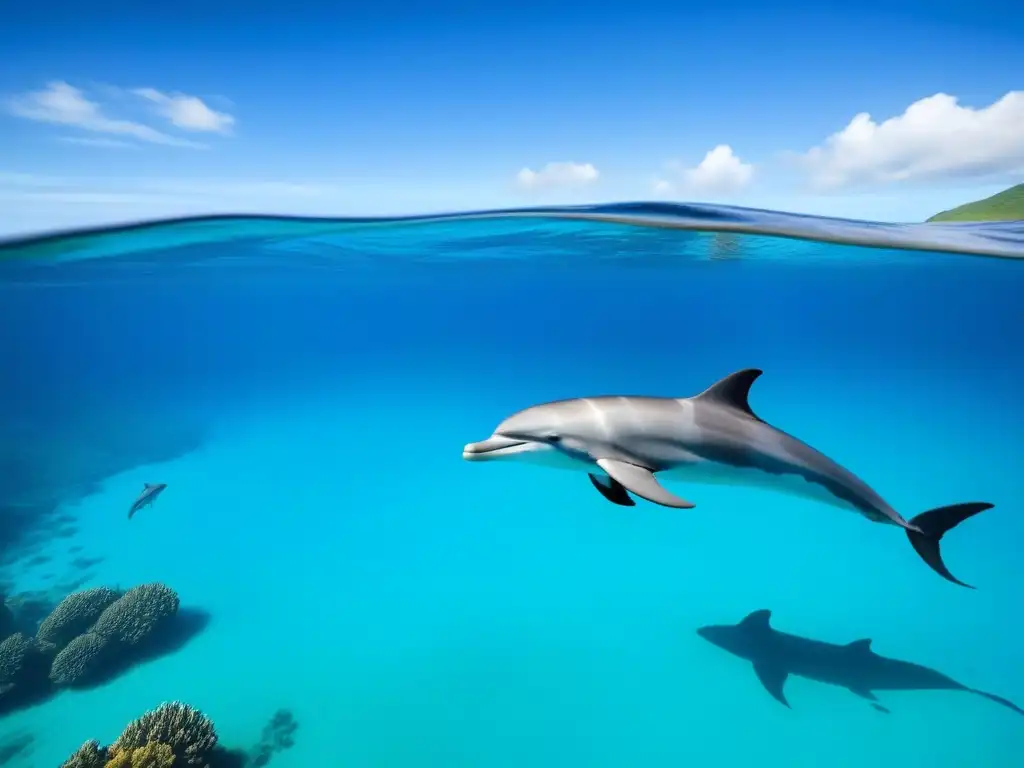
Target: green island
1007, 205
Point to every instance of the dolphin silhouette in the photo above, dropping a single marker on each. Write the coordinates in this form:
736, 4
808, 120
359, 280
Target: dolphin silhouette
146, 498
712, 437
855, 666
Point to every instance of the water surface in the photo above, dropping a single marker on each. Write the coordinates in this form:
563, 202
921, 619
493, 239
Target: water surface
305, 389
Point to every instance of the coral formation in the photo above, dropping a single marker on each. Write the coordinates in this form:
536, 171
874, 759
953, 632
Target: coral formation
153, 755
88, 637
75, 614
137, 613
175, 735
188, 732
89, 755
23, 665
80, 661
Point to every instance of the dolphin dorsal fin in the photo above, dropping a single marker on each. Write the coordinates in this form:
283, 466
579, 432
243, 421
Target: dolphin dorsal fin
147, 486
757, 620
860, 646
733, 390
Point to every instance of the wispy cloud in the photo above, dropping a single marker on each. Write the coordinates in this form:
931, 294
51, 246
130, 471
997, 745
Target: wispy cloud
558, 175
188, 112
97, 141
61, 103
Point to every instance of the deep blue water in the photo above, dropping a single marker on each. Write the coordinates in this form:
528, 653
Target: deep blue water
305, 389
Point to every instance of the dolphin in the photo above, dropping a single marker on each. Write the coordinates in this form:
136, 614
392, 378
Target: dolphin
145, 499
854, 666
712, 437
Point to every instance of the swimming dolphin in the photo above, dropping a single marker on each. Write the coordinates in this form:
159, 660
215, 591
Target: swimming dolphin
854, 666
712, 437
149, 493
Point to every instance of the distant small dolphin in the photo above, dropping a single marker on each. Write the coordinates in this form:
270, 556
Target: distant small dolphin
149, 493
713, 437
854, 666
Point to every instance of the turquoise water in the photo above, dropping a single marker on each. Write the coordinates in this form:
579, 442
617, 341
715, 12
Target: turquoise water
305, 389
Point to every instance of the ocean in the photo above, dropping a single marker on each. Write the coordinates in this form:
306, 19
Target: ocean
305, 389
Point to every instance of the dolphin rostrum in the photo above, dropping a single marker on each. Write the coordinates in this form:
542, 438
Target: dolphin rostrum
854, 666
145, 499
712, 437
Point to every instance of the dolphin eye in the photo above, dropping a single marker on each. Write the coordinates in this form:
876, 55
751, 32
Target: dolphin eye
554, 437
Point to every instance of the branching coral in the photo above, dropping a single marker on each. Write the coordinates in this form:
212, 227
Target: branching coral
22, 664
132, 617
89, 755
74, 615
80, 661
188, 732
152, 755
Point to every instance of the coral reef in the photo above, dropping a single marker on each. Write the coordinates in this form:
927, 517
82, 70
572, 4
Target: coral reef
175, 735
153, 755
189, 733
81, 660
89, 755
23, 666
90, 637
137, 613
75, 614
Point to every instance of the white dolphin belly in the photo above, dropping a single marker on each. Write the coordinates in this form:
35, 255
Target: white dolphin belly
714, 473
698, 472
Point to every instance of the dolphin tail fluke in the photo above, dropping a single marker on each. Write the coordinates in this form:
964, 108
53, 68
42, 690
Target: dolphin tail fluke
999, 700
932, 525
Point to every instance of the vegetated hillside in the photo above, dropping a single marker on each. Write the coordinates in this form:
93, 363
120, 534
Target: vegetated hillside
1007, 205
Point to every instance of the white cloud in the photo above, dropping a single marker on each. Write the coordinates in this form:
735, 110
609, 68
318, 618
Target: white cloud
63, 104
188, 112
558, 175
934, 138
720, 173
96, 141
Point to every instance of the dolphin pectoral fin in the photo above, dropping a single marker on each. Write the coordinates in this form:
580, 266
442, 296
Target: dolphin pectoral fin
864, 693
613, 491
642, 482
773, 678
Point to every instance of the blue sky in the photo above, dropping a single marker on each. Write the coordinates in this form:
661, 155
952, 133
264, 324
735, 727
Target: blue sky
140, 110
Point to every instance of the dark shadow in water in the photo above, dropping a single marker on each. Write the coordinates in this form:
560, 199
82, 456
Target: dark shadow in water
228, 758
85, 563
58, 459
14, 746
28, 609
855, 666
68, 587
185, 626
277, 736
